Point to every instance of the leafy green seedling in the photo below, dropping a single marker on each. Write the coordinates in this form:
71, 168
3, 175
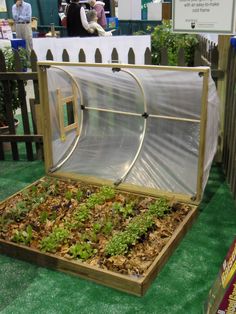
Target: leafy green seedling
82, 251
54, 240
24, 237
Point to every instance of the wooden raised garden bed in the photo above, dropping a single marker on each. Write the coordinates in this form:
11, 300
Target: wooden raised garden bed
114, 238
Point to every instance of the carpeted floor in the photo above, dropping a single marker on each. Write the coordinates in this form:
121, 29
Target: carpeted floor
181, 287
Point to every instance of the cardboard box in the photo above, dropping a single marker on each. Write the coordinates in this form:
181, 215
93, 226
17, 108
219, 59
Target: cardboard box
222, 296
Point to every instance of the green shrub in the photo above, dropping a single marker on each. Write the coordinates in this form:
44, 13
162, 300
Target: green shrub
163, 37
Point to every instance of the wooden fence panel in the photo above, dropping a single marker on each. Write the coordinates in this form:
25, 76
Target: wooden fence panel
7, 94
229, 148
11, 82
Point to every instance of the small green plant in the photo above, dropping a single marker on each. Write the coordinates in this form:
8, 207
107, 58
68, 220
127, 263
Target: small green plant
43, 216
4, 221
138, 227
107, 228
106, 193
159, 208
24, 237
81, 214
18, 212
121, 242
96, 227
82, 250
69, 195
54, 240
79, 195
125, 211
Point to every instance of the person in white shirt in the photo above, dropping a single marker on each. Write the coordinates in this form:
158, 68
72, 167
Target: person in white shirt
22, 14
92, 19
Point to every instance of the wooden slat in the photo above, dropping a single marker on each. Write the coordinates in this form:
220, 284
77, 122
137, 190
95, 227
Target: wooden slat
23, 106
126, 187
197, 57
114, 56
49, 55
18, 76
107, 278
164, 56
36, 123
202, 140
148, 56
65, 56
181, 57
82, 57
2, 155
169, 248
98, 56
131, 56
21, 138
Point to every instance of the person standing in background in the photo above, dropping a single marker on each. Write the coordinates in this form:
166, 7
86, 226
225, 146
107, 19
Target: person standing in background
77, 23
92, 19
22, 14
98, 6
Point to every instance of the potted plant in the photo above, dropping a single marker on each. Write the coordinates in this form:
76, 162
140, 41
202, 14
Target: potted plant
9, 57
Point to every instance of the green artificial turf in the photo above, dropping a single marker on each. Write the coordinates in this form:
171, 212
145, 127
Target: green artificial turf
181, 287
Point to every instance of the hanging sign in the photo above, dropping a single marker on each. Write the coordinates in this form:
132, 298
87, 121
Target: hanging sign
3, 7
204, 16
144, 8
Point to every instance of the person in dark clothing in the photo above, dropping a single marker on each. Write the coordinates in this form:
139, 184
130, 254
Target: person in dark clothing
77, 24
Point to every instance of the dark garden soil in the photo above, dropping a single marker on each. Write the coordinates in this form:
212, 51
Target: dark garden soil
99, 226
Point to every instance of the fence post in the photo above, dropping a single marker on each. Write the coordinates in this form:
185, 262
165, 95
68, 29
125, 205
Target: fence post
65, 56
49, 55
23, 105
164, 56
131, 56
98, 56
148, 57
82, 57
181, 58
114, 56
223, 48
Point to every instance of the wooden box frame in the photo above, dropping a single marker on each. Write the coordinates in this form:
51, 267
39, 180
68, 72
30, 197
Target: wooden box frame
128, 284
108, 278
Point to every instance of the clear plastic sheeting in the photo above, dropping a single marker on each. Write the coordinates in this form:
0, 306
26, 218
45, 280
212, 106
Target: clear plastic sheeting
137, 125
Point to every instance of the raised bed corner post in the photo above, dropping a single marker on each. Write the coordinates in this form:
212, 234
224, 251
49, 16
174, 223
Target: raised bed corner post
46, 125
